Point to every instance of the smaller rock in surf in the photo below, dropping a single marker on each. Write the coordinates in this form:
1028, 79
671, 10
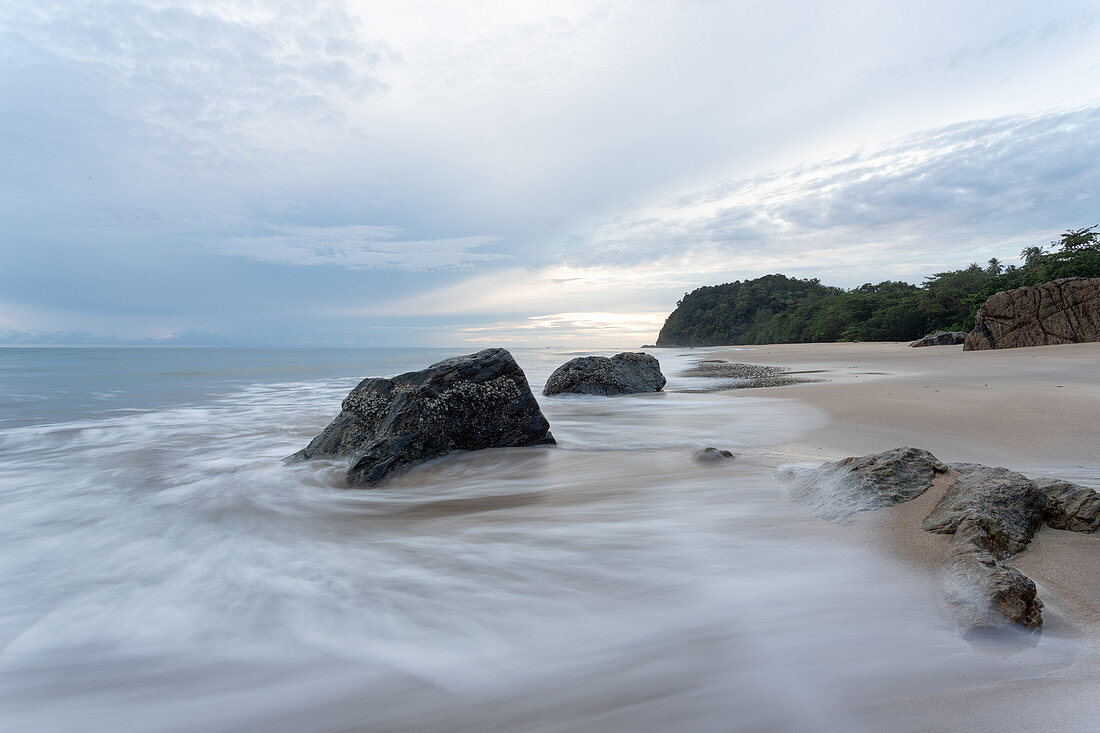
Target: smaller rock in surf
712, 456
625, 373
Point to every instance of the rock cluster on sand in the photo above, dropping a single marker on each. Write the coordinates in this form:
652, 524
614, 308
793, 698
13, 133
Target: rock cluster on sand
469, 402
744, 376
941, 338
1008, 507
1070, 506
992, 513
626, 373
1064, 311
835, 491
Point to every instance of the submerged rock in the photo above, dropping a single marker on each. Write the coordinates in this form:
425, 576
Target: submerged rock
1069, 506
838, 490
1063, 311
469, 402
712, 456
941, 338
1009, 507
985, 593
626, 373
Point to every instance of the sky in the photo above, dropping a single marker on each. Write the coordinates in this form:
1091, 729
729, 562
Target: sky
415, 173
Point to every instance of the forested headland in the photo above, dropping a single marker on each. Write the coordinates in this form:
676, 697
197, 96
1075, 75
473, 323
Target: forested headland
776, 309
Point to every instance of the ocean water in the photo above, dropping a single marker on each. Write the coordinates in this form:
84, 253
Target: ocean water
163, 570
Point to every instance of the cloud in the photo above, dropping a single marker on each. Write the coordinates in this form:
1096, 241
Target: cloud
362, 247
926, 199
596, 329
517, 161
201, 79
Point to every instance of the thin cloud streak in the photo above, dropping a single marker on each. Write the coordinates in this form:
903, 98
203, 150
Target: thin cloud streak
362, 247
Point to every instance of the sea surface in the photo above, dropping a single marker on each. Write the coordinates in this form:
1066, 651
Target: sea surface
163, 570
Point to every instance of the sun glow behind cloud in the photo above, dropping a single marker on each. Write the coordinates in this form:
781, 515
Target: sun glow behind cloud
603, 329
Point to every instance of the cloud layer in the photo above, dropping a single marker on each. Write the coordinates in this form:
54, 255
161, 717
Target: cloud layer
432, 173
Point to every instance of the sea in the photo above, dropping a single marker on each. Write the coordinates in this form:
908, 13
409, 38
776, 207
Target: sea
162, 569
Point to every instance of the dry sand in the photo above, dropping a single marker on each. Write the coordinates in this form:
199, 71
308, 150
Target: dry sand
1019, 408
1034, 410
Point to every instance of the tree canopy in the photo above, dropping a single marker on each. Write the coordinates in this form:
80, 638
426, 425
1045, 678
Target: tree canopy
779, 309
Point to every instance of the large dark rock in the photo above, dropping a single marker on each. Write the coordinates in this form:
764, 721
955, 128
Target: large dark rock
837, 490
1071, 507
941, 338
985, 593
1063, 311
1008, 506
469, 402
626, 373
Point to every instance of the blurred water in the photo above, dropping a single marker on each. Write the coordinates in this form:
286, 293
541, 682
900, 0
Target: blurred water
164, 571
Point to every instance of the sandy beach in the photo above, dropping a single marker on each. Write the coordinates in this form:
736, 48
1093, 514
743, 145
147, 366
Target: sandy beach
1033, 410
1020, 408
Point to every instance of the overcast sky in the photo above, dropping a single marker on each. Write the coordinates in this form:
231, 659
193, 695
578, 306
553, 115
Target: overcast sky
516, 173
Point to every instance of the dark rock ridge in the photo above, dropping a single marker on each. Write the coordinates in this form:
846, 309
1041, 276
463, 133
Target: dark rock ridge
993, 514
1063, 311
985, 593
1069, 506
941, 338
469, 402
712, 456
1007, 506
625, 373
835, 491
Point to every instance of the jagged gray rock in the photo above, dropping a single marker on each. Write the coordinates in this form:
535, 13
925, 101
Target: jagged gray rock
469, 402
993, 513
1071, 507
1062, 311
941, 338
1006, 505
712, 455
985, 593
838, 490
625, 373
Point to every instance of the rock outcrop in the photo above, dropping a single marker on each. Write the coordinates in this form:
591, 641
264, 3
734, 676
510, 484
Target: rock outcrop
992, 513
1069, 506
1009, 507
835, 491
986, 594
941, 338
626, 373
1064, 311
469, 402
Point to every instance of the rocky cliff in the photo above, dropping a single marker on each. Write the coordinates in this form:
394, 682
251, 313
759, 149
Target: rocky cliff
1064, 311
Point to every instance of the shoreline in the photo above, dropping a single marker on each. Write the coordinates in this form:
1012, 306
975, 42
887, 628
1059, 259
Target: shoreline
1025, 409
1033, 410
